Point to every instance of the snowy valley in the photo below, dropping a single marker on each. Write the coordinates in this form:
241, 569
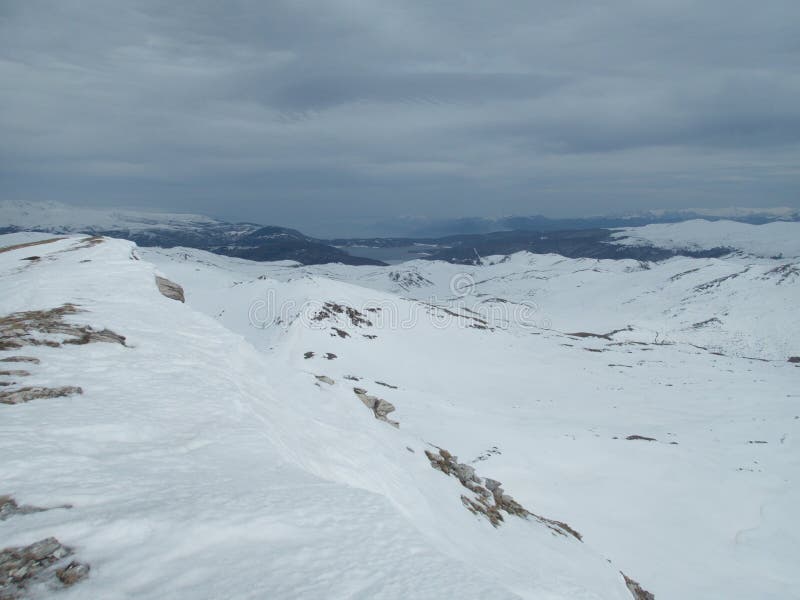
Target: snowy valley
533, 426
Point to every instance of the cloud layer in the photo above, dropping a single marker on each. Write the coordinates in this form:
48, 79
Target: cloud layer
329, 114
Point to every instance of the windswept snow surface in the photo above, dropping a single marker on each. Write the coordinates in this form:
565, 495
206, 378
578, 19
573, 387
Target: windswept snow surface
767, 240
207, 458
199, 467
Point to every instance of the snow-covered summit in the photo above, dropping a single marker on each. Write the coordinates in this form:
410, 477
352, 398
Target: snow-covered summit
767, 240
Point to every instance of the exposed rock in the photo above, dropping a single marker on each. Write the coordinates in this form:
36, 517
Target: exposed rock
388, 385
28, 359
170, 289
29, 244
308, 355
409, 278
73, 573
488, 497
379, 407
27, 394
794, 359
638, 592
9, 508
325, 379
603, 336
14, 373
45, 327
342, 334
330, 310
22, 565
641, 437
330, 355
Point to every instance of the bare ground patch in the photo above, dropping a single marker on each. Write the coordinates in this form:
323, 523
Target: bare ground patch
170, 289
379, 407
29, 244
48, 328
10, 508
40, 562
26, 394
487, 497
44, 328
638, 592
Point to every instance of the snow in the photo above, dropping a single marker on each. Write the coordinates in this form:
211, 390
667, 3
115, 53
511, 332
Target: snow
62, 217
731, 212
769, 239
206, 460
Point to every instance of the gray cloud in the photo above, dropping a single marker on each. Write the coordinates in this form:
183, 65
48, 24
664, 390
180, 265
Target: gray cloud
326, 115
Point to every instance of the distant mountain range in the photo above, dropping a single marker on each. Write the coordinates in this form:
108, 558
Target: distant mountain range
420, 227
241, 240
457, 240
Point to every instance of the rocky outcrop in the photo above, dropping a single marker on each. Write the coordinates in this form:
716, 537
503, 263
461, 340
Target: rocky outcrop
330, 310
379, 407
9, 508
48, 328
38, 563
638, 592
487, 497
27, 394
170, 289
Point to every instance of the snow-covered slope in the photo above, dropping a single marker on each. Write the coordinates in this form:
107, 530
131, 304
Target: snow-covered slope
198, 467
231, 447
542, 392
63, 217
767, 240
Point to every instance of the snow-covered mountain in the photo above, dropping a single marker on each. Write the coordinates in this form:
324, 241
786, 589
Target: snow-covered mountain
530, 427
778, 239
245, 240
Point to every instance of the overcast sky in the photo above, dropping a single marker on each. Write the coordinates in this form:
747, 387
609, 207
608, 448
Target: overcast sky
326, 115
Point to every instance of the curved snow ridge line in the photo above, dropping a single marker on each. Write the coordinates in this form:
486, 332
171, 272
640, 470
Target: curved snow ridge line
162, 479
